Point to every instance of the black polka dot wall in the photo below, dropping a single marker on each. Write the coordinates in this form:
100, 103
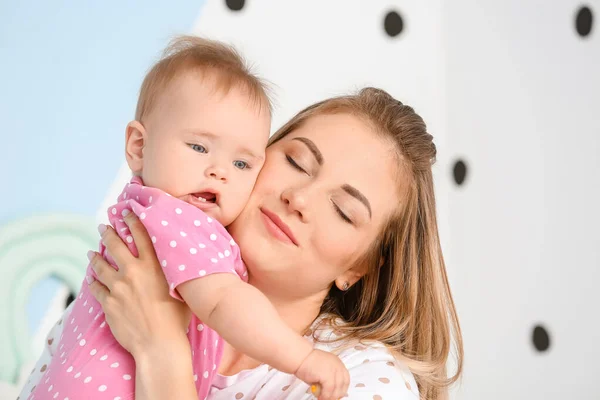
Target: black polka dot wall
235, 5
393, 24
584, 21
459, 172
541, 339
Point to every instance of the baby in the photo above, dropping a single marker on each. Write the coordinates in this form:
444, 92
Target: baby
195, 150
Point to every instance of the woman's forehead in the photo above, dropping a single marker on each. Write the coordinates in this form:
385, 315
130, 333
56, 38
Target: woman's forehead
343, 135
352, 153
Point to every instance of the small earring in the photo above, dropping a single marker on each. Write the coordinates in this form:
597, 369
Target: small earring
346, 286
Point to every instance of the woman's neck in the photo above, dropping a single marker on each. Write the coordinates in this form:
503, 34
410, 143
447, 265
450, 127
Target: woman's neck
298, 314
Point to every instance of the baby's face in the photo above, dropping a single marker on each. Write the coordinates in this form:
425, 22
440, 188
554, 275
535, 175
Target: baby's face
204, 147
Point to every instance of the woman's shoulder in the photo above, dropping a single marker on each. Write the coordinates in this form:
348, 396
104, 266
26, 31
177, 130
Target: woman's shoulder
374, 374
374, 371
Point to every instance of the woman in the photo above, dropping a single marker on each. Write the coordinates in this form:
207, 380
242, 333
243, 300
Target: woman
340, 233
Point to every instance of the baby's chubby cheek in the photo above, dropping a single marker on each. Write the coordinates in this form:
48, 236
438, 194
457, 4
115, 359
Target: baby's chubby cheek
227, 211
233, 208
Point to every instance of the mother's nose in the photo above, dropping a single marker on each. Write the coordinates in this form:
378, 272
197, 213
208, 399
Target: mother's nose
296, 200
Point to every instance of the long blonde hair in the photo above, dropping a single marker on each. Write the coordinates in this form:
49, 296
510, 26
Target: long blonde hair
404, 299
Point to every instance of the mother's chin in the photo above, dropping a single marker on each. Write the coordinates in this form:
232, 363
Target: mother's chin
262, 253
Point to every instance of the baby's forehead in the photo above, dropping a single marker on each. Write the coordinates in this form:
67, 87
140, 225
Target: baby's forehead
200, 108
196, 93
216, 85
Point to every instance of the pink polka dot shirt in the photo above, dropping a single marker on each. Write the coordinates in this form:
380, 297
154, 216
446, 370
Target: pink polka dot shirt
89, 362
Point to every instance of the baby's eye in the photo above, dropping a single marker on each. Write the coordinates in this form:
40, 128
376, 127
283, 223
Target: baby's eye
241, 164
199, 148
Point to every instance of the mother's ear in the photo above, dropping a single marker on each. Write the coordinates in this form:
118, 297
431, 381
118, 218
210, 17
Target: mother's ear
135, 140
346, 280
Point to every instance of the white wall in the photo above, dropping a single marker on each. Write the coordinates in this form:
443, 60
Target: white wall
522, 105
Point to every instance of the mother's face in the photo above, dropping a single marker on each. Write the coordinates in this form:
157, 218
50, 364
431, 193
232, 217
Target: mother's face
320, 200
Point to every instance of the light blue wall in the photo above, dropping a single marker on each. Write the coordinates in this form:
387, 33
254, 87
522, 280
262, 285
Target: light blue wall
69, 76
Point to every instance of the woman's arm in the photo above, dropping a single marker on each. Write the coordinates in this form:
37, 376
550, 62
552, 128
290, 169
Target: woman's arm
165, 372
143, 316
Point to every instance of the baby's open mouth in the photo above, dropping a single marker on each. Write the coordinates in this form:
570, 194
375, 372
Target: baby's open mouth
206, 197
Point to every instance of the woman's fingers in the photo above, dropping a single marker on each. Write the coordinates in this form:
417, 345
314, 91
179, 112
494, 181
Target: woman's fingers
140, 236
100, 292
115, 246
104, 271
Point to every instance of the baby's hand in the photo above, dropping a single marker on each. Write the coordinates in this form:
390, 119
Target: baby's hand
326, 370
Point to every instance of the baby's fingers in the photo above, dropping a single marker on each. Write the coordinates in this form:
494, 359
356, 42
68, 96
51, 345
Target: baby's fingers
343, 381
328, 389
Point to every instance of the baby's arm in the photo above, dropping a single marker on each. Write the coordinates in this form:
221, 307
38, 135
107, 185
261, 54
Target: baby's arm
246, 319
189, 244
198, 257
231, 307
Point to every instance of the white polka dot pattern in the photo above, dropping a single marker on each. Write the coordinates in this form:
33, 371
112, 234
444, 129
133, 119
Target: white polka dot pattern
374, 374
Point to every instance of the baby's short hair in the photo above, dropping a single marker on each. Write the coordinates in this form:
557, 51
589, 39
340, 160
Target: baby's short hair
188, 53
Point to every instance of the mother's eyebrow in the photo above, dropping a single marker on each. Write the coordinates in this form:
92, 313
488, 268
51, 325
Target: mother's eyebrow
354, 192
312, 147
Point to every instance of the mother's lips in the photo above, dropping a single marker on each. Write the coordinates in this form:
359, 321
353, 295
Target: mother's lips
283, 227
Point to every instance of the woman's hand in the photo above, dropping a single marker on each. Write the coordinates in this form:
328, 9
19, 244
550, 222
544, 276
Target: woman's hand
141, 313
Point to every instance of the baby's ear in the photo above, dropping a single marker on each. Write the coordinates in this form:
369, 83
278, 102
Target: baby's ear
135, 140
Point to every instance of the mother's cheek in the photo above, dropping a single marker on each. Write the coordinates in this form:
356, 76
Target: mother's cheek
337, 253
